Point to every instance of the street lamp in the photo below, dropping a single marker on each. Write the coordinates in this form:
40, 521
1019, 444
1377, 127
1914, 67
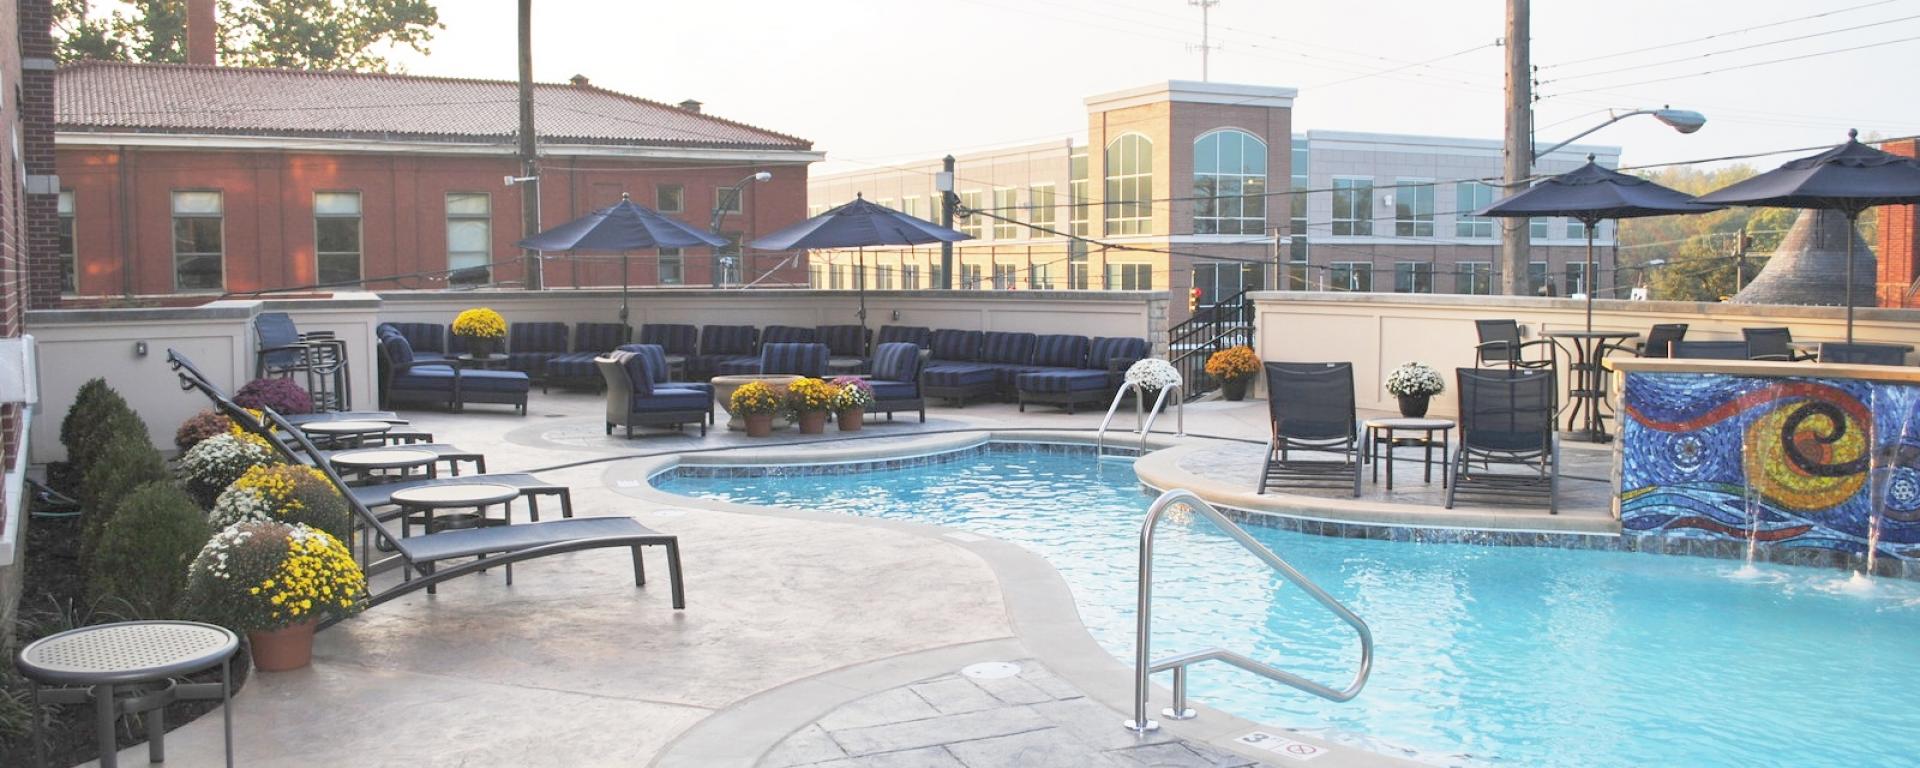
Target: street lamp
729, 197
1682, 120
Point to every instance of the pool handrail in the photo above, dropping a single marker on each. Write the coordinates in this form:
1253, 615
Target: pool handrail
1143, 668
1143, 421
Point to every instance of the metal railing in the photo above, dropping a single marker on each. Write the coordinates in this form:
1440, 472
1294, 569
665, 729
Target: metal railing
1143, 419
1211, 329
1143, 623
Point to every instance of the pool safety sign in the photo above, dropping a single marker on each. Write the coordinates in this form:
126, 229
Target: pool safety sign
1280, 745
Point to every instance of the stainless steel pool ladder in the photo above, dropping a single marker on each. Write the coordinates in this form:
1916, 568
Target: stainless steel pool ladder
1143, 623
1143, 421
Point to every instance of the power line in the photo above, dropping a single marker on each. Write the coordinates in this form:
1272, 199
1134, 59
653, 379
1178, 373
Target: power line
1751, 65
1717, 35
1724, 51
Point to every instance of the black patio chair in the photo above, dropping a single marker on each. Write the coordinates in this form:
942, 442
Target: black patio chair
1657, 343
1310, 407
1863, 353
1710, 350
281, 350
1500, 346
1506, 420
490, 547
1772, 344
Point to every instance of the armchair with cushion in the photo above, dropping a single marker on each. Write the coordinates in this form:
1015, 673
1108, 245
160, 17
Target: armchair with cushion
655, 358
721, 344
531, 345
440, 383
590, 340
679, 342
429, 340
896, 380
633, 400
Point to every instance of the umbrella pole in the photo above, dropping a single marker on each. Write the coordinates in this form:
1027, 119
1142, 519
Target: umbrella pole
861, 277
1589, 279
1851, 216
624, 257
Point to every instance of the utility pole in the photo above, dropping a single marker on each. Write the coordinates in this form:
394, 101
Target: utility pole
1514, 233
1740, 246
945, 183
529, 168
1205, 28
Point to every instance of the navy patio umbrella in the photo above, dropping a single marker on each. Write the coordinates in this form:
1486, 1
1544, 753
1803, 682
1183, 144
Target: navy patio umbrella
857, 225
1591, 194
623, 226
1849, 178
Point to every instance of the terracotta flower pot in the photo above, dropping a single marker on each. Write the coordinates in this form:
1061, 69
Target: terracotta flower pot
813, 422
279, 650
1414, 406
759, 424
851, 419
1234, 389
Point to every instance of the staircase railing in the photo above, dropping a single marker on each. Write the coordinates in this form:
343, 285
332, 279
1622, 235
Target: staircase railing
1211, 329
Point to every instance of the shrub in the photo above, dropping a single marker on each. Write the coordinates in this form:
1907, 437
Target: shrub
98, 415
203, 425
809, 395
851, 392
126, 464
88, 406
288, 493
219, 460
754, 398
280, 394
262, 575
142, 557
1233, 364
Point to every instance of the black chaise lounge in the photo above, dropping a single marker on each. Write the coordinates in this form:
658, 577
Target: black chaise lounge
491, 547
1310, 407
1506, 418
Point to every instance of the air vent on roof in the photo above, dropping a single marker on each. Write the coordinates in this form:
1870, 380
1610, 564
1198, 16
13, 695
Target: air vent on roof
578, 80
690, 105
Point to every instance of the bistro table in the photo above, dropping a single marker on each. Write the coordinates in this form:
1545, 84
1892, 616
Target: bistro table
141, 657
1386, 431
484, 362
1587, 378
348, 431
366, 461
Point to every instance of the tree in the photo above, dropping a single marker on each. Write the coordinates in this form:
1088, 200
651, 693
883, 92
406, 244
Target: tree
296, 34
1691, 258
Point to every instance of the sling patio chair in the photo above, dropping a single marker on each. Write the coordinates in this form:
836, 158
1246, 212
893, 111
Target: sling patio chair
1658, 342
1500, 346
491, 547
282, 350
1710, 350
1863, 353
1310, 407
1506, 420
1773, 343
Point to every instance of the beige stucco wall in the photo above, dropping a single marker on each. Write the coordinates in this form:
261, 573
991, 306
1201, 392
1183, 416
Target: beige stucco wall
1377, 332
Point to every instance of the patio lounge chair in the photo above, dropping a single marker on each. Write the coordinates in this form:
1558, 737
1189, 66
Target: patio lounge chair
531, 345
1506, 419
1310, 407
678, 341
896, 380
633, 399
1862, 353
1658, 342
590, 340
1710, 350
492, 547
1774, 343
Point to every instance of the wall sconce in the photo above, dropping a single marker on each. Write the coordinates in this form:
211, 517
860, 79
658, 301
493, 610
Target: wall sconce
896, 314
139, 349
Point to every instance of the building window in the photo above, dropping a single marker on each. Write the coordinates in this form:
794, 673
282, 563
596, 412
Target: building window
1004, 277
1537, 278
68, 266
1352, 206
882, 277
910, 276
1297, 278
1577, 277
1470, 196
971, 225
1077, 266
1473, 277
727, 199
887, 203
1129, 277
1006, 205
336, 237
1577, 230
469, 231
970, 277
1350, 276
1040, 276
198, 247
1537, 229
1040, 205
1079, 210
1230, 182
835, 280
671, 198
1222, 280
1413, 208
1413, 277
1297, 205
911, 207
673, 267
1129, 207
728, 258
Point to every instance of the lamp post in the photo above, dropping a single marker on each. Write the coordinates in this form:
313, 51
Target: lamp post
1682, 120
729, 197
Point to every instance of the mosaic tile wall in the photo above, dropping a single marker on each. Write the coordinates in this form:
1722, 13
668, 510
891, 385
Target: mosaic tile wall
1802, 467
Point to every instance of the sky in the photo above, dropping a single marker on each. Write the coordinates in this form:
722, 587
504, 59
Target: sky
873, 82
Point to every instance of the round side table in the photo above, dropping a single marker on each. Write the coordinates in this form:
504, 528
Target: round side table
429, 500
94, 662
1389, 431
487, 361
348, 431
366, 461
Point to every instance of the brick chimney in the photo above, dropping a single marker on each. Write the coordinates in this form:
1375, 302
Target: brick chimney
203, 37
691, 106
579, 80
1899, 240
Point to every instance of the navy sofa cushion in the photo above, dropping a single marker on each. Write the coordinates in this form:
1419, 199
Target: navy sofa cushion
797, 359
916, 335
1060, 351
598, 338
425, 337
954, 376
957, 346
1061, 381
787, 334
573, 365
537, 337
1126, 349
896, 361
739, 365
727, 340
490, 381
844, 340
664, 399
675, 339
894, 390
654, 357
1006, 348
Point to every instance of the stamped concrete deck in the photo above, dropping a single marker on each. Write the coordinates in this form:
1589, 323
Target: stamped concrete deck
795, 621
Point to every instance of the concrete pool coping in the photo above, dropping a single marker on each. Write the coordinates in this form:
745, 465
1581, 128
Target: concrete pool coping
1040, 609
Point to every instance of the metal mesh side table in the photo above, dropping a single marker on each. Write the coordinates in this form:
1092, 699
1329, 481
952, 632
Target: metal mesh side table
94, 663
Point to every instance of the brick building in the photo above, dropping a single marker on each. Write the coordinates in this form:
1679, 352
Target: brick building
1899, 246
1181, 185
184, 179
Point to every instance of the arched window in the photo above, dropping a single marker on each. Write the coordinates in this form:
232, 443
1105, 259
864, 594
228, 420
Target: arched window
1129, 199
1229, 184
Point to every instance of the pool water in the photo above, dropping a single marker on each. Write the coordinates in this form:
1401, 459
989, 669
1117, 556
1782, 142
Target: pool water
1484, 655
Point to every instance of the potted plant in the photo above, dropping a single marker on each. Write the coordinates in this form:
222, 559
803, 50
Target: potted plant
809, 399
214, 463
275, 582
851, 396
1152, 375
282, 395
1414, 384
288, 493
482, 328
757, 402
1233, 367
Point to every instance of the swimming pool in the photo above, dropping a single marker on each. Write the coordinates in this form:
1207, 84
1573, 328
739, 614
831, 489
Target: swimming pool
1484, 656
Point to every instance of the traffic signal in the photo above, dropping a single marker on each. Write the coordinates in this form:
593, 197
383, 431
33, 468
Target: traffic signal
1193, 301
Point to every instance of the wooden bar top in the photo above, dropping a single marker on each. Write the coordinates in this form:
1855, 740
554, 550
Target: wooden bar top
1767, 368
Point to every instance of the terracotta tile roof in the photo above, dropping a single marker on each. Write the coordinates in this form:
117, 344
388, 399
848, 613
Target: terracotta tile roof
172, 98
